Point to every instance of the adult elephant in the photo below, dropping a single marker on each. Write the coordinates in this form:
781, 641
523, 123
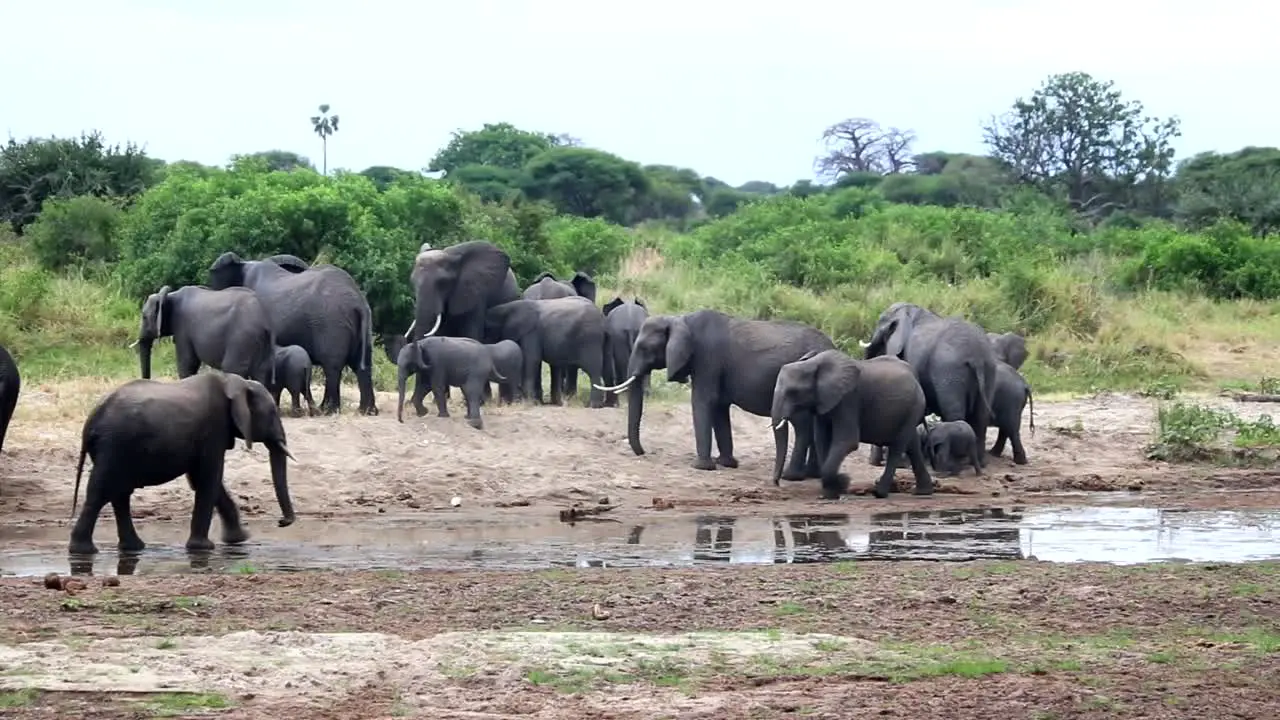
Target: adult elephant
566, 333
10, 385
622, 323
951, 357
729, 361
320, 309
454, 288
546, 287
228, 330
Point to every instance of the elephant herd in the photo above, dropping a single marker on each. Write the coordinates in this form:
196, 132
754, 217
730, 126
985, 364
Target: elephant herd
264, 323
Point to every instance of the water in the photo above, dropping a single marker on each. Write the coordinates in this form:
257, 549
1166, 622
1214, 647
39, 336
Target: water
1058, 534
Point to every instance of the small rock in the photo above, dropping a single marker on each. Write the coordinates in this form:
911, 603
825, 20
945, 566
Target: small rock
53, 581
662, 504
599, 613
413, 504
604, 500
111, 581
71, 586
456, 501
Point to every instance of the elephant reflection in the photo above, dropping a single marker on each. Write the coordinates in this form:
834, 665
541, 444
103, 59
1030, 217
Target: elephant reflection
814, 538
920, 534
222, 559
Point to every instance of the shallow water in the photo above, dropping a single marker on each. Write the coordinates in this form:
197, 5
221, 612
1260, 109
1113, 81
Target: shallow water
1058, 534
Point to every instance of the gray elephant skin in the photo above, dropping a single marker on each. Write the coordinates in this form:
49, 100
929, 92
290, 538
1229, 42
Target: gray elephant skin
443, 362
1013, 394
877, 401
10, 386
148, 432
622, 323
454, 288
292, 373
508, 368
228, 330
728, 361
319, 308
951, 357
1010, 348
945, 444
547, 287
566, 333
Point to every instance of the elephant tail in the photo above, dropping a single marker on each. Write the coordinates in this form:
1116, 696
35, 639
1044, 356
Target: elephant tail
983, 397
75, 494
364, 325
1031, 401
271, 355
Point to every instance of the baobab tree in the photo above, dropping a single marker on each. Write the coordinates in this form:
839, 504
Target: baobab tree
325, 125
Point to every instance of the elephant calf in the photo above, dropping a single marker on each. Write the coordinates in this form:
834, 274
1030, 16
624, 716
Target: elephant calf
293, 373
945, 444
444, 362
1012, 396
508, 364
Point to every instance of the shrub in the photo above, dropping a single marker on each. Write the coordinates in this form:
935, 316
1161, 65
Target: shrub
75, 231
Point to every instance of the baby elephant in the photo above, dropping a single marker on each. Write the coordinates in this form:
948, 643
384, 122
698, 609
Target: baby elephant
508, 363
293, 373
1011, 398
443, 362
945, 444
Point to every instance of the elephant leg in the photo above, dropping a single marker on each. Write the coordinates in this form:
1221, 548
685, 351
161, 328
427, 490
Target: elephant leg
998, 448
311, 402
820, 447
233, 530
438, 387
703, 421
570, 382
723, 430
557, 384
295, 407
1019, 453
876, 455
472, 395
593, 365
364, 384
893, 458
421, 385
834, 482
276, 392
206, 481
331, 404
975, 451
127, 534
187, 360
96, 495
924, 481
797, 470
532, 350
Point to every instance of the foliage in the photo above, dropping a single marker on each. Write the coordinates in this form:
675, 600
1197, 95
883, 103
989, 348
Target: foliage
500, 145
1076, 138
324, 125
860, 145
36, 169
585, 182
75, 231
281, 159
1191, 431
1242, 186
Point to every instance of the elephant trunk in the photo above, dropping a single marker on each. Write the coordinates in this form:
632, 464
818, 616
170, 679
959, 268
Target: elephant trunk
779, 448
402, 378
635, 409
144, 357
279, 454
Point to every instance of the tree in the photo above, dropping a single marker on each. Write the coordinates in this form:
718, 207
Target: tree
1078, 140
586, 182
383, 175
1243, 186
282, 160
495, 144
325, 125
860, 145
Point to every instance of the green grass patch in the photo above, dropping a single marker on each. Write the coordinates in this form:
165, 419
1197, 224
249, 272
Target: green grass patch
178, 704
18, 698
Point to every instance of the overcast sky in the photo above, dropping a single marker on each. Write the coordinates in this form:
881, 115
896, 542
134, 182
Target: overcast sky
741, 91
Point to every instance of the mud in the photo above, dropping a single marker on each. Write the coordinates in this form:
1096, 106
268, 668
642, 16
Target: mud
1050, 533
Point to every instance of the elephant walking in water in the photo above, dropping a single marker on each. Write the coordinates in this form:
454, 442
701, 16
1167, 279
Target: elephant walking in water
318, 308
729, 361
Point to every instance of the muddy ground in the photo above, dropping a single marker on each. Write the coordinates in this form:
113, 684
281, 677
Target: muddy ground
956, 640
871, 639
547, 457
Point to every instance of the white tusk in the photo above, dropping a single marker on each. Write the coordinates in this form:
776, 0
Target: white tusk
412, 325
434, 328
780, 424
133, 344
864, 344
616, 388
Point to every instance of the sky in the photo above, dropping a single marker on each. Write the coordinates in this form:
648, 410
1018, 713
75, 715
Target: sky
739, 91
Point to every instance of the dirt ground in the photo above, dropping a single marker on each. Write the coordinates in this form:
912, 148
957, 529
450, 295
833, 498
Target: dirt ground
957, 640
351, 466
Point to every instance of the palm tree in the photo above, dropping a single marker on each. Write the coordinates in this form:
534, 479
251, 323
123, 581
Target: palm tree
325, 125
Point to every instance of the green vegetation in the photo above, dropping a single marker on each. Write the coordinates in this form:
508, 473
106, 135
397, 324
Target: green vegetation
1125, 270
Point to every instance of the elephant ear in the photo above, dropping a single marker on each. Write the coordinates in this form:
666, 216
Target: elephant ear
585, 286
679, 350
612, 305
292, 263
237, 391
807, 356
541, 276
421, 356
640, 302
833, 381
899, 332
481, 267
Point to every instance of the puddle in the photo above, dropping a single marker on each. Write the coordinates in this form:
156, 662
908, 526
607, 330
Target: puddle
1057, 534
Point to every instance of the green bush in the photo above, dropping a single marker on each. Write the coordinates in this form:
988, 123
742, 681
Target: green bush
75, 231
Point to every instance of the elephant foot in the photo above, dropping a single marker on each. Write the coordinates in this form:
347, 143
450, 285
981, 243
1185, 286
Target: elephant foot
296, 412
234, 535
793, 475
728, 461
476, 423
834, 487
370, 411
443, 414
199, 544
923, 488
1019, 459
330, 410
82, 548
134, 544
704, 464
421, 411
